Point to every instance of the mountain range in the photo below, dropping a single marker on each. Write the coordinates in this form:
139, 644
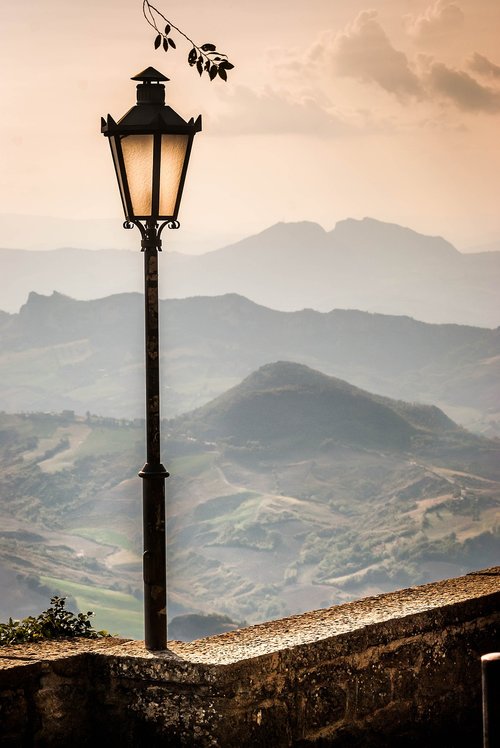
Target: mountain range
58, 353
293, 490
340, 469
360, 264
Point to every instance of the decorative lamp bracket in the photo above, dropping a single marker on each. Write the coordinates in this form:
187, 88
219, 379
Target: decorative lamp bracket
151, 232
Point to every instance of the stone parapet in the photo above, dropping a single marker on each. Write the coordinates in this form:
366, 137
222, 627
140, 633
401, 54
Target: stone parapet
400, 669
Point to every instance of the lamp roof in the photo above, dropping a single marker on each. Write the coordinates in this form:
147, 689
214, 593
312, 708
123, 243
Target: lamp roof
157, 117
149, 75
150, 115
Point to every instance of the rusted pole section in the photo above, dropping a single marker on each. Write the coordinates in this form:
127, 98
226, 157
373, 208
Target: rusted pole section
490, 672
153, 473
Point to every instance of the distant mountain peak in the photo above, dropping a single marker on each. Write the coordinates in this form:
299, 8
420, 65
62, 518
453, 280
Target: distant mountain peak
286, 235
370, 233
290, 227
289, 374
38, 299
296, 407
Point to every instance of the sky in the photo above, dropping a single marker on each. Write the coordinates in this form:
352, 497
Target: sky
335, 109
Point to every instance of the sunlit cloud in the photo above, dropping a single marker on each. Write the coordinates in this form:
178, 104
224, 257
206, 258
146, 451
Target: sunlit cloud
440, 18
363, 51
462, 89
481, 65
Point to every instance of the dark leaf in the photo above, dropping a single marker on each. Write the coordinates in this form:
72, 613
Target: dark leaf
165, 45
213, 72
208, 47
199, 65
226, 65
167, 29
192, 57
222, 73
171, 42
157, 41
217, 59
207, 66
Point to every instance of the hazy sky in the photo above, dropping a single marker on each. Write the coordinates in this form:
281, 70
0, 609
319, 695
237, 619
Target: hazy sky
335, 108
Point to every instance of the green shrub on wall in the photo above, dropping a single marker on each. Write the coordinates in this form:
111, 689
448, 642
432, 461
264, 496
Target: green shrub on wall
53, 623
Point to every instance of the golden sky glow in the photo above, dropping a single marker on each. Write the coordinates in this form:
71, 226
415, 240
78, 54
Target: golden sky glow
388, 109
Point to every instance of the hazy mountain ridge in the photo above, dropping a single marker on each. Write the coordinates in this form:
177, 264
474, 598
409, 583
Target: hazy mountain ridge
322, 408
60, 353
257, 527
367, 264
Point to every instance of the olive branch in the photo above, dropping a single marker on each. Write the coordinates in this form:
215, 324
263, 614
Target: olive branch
206, 58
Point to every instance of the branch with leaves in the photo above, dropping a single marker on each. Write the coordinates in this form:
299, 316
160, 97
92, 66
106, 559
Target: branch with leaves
206, 58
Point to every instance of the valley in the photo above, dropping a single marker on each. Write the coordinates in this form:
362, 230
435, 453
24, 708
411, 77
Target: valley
327, 494
338, 471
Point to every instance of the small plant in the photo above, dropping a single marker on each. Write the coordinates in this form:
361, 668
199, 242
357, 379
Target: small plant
53, 623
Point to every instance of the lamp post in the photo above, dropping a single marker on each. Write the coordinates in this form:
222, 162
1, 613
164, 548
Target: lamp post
150, 146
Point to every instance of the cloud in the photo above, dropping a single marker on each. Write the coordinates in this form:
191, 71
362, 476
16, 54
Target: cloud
272, 112
440, 18
462, 89
364, 51
480, 64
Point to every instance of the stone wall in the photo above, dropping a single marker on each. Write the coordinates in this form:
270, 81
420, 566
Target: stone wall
401, 669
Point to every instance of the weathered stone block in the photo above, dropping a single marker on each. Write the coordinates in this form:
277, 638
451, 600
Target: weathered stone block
322, 705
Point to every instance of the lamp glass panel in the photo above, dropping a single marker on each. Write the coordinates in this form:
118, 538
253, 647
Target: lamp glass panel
114, 153
173, 154
138, 157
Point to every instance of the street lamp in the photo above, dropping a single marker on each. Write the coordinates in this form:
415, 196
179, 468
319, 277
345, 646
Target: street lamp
150, 146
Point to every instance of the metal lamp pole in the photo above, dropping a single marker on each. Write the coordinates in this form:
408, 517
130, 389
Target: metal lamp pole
150, 146
153, 473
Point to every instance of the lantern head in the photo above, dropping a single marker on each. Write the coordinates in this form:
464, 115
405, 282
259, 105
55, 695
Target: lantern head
150, 146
